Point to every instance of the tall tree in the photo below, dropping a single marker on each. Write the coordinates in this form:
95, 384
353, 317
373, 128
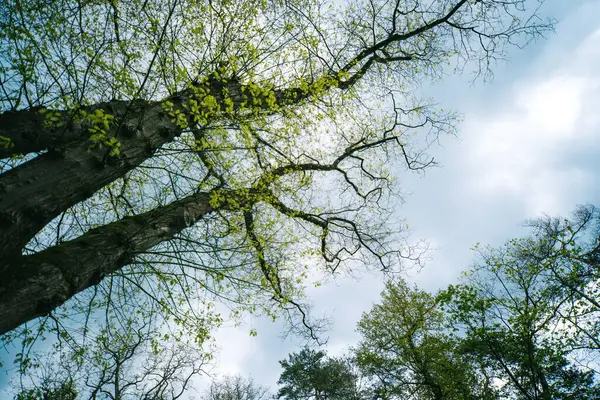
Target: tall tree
528, 310
523, 325
311, 375
407, 351
172, 150
567, 253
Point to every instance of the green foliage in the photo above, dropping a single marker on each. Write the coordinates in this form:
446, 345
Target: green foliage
310, 374
126, 359
288, 116
406, 350
529, 311
98, 124
6, 142
61, 391
522, 325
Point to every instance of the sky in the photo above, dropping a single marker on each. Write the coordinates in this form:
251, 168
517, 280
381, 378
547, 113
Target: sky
527, 145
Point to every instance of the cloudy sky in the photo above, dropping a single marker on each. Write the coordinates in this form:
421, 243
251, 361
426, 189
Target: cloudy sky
528, 145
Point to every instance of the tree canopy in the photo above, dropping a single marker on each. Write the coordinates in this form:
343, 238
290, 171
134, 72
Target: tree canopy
159, 155
529, 309
235, 388
523, 324
126, 358
408, 352
311, 375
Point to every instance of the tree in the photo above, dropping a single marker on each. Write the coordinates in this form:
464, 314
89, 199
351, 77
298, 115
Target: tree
133, 361
310, 374
235, 388
528, 310
408, 352
158, 153
567, 251
62, 391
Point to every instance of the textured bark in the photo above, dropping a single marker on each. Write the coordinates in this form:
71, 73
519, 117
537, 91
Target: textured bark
37, 191
28, 131
34, 193
43, 281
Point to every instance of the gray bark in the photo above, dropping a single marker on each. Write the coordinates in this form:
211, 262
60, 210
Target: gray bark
43, 281
34, 193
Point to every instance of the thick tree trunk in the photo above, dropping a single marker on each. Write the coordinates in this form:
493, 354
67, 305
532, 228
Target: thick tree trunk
34, 193
38, 129
43, 281
29, 131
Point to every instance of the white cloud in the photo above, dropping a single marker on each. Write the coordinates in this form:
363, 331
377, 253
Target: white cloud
521, 150
552, 107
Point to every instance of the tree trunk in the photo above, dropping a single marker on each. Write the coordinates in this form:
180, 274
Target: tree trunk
36, 192
25, 132
43, 281
29, 131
